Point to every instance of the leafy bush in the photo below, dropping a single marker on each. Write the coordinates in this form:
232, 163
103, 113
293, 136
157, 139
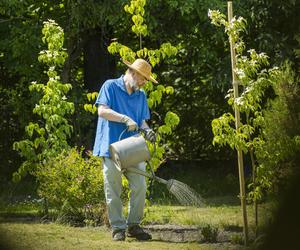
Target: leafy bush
210, 233
73, 185
278, 152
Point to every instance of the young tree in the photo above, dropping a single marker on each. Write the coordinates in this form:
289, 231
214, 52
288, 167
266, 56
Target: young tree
251, 74
48, 136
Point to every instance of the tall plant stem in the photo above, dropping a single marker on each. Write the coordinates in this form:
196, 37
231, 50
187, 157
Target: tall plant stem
254, 183
140, 41
253, 164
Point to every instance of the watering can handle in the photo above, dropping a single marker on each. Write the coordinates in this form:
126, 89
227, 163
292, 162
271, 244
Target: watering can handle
122, 134
139, 130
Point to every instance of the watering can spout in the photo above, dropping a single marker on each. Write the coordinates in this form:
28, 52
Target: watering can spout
146, 174
161, 180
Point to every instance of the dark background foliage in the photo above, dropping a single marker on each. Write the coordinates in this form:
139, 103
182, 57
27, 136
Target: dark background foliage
200, 74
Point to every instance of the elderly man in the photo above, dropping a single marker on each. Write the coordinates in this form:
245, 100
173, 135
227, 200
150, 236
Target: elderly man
122, 104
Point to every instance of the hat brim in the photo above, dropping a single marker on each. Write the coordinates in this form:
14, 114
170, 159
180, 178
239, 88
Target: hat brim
150, 78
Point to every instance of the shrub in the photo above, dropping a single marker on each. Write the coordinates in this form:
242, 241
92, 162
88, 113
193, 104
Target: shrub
209, 233
73, 185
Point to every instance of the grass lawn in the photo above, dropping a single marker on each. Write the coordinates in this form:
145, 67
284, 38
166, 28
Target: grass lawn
29, 235
21, 226
25, 231
220, 212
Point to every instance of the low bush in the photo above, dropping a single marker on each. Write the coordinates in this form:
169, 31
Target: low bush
209, 233
73, 185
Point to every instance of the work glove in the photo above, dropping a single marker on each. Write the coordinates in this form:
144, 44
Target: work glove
150, 135
131, 124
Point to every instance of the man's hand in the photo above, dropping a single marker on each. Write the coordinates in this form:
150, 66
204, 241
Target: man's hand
131, 124
150, 135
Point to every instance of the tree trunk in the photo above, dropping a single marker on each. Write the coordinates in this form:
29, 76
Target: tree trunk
74, 49
98, 63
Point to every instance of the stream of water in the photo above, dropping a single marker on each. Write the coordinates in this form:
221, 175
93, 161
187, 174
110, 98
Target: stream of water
185, 194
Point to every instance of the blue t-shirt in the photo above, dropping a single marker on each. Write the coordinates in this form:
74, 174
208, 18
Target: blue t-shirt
114, 95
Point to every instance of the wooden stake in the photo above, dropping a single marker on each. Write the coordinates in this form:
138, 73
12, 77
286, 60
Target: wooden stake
237, 125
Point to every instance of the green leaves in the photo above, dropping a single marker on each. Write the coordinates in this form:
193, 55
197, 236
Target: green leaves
217, 18
53, 35
125, 52
91, 107
136, 9
70, 178
48, 137
34, 127
259, 131
92, 96
54, 38
171, 121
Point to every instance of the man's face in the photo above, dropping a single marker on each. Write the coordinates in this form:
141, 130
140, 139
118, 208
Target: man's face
139, 79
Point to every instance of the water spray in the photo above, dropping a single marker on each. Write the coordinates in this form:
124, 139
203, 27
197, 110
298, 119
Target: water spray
183, 193
133, 150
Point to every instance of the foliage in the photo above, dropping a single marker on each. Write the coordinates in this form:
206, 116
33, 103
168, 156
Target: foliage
209, 233
199, 74
278, 150
20, 31
273, 26
8, 130
155, 92
136, 9
73, 185
256, 80
48, 137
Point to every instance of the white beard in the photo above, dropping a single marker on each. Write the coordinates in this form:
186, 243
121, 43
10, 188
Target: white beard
133, 85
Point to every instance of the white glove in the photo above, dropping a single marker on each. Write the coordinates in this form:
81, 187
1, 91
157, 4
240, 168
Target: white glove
131, 124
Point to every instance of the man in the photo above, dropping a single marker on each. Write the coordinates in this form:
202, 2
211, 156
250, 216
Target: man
121, 104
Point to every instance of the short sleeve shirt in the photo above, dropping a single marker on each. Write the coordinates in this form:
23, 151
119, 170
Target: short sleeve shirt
113, 94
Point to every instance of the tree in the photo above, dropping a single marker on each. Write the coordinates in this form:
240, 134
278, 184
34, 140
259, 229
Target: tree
49, 135
256, 80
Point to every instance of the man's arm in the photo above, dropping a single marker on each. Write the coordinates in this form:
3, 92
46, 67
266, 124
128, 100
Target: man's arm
111, 115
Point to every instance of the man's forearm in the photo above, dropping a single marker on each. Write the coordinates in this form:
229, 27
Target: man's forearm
110, 114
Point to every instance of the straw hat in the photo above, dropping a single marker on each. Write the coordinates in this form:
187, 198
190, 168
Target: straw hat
142, 67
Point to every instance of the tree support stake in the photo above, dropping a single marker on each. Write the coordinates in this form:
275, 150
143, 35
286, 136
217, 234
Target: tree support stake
237, 125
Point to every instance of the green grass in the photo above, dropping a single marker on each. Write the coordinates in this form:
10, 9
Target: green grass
224, 211
36, 236
19, 218
221, 216
19, 224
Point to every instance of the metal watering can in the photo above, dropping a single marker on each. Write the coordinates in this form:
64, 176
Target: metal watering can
127, 153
